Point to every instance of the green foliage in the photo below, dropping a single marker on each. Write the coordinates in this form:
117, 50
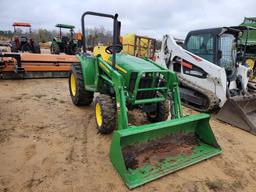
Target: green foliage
5, 35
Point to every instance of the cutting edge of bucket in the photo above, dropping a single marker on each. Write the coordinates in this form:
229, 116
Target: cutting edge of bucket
235, 115
153, 177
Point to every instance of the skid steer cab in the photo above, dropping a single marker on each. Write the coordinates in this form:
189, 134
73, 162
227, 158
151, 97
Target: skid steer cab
123, 82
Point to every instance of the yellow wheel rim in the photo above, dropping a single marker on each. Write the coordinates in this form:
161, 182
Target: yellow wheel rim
73, 84
250, 62
98, 114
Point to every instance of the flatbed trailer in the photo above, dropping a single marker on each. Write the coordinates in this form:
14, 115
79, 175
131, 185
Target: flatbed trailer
29, 65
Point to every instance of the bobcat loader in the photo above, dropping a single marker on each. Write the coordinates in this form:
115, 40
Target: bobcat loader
212, 75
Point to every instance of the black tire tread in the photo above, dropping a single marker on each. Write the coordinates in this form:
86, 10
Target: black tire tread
82, 96
13, 47
26, 48
55, 49
162, 112
36, 48
108, 112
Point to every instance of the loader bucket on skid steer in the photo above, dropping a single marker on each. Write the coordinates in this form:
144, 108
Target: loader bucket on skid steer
144, 153
240, 112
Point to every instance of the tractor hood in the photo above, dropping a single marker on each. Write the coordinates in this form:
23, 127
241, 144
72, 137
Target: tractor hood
131, 67
134, 64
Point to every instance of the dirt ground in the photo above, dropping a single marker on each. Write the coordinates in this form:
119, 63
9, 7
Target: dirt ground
48, 144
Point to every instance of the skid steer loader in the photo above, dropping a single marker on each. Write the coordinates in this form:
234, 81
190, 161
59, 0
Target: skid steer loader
212, 74
139, 153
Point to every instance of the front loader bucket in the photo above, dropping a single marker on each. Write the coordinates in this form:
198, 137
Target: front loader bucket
144, 153
240, 112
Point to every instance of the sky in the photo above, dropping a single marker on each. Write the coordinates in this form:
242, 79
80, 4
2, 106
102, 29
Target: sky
153, 18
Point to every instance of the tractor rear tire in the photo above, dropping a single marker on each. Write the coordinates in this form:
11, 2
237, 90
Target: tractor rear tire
36, 48
161, 113
73, 50
26, 48
105, 114
77, 90
55, 49
77, 50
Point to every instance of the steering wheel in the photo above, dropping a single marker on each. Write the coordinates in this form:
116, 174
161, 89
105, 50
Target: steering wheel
109, 49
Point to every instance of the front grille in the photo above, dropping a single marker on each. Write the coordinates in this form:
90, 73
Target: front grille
146, 81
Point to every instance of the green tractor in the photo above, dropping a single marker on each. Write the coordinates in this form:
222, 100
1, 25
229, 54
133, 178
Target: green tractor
65, 43
169, 142
248, 43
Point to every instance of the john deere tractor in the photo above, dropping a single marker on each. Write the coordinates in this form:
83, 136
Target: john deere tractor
65, 43
123, 82
248, 43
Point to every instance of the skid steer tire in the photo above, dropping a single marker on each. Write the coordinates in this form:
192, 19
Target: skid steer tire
161, 113
78, 94
105, 114
55, 49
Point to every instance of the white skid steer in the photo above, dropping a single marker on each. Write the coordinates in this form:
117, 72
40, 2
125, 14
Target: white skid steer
212, 74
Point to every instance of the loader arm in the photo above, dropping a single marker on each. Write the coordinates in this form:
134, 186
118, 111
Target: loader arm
116, 80
113, 78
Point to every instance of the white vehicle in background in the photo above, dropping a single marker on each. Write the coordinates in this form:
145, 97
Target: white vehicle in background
212, 75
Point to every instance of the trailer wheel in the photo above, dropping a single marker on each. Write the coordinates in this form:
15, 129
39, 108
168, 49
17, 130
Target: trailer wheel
55, 49
161, 113
78, 93
105, 114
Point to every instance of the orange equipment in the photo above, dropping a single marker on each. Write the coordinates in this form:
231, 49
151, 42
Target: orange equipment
21, 24
29, 65
78, 36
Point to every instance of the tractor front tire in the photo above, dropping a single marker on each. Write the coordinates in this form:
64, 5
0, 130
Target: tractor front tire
26, 48
161, 113
105, 114
36, 48
55, 49
77, 90
14, 47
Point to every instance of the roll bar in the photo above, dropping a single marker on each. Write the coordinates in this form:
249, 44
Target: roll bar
116, 31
